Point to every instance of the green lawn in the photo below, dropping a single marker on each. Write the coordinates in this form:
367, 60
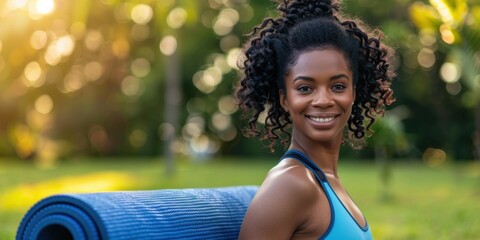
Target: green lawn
425, 203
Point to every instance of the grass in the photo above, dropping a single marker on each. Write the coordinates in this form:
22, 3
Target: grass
423, 202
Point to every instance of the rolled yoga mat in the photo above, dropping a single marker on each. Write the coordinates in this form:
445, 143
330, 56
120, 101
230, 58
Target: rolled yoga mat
210, 213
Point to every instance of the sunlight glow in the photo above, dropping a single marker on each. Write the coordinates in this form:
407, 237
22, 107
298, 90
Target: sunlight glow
16, 4
45, 6
23, 196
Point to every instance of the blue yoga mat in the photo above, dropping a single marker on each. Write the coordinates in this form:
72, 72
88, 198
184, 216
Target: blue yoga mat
211, 213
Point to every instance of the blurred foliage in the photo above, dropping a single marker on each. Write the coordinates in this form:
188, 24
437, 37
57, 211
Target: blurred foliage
88, 77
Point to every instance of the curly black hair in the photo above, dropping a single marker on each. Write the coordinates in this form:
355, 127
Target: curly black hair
304, 25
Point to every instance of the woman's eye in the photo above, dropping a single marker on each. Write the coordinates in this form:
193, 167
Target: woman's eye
304, 89
338, 87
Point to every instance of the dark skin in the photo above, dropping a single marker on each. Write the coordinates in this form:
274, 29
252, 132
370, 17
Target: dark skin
290, 204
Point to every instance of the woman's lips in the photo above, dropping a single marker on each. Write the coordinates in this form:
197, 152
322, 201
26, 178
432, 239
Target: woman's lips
321, 119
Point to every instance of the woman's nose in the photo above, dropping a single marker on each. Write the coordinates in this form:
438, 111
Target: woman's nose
323, 99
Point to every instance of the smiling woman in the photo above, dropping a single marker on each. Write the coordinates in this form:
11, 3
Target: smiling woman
319, 95
326, 77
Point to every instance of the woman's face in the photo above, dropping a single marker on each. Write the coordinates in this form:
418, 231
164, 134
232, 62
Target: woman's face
319, 95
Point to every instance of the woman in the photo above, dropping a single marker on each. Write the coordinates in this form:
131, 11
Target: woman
322, 79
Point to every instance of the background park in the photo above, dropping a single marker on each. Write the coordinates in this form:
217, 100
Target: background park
107, 95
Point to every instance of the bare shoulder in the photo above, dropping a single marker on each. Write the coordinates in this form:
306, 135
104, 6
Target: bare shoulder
283, 203
291, 177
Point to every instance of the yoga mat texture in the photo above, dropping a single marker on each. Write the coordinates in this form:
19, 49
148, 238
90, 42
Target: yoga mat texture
208, 213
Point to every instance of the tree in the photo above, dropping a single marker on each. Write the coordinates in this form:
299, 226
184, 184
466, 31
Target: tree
455, 26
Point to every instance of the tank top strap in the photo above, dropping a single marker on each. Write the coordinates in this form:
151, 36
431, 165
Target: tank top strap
300, 156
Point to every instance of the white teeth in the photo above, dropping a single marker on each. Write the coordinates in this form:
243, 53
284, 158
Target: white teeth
322, 120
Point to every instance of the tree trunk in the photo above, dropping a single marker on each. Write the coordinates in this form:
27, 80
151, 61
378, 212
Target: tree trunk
385, 172
476, 133
173, 97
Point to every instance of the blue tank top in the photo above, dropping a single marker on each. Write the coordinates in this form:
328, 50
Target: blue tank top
342, 224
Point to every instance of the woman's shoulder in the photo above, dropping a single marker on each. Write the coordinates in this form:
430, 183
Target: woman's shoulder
291, 178
285, 205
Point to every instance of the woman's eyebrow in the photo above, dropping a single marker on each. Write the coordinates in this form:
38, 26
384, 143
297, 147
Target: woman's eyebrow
303, 78
334, 77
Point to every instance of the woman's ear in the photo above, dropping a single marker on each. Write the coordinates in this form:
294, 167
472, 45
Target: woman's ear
283, 99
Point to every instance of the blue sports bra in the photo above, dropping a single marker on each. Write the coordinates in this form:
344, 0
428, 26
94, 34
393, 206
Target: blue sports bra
342, 224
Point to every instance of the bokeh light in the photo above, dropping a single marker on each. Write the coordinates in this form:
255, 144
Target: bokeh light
221, 122
168, 45
233, 57
45, 6
44, 104
137, 138
225, 21
74, 80
93, 40
427, 38
447, 34
177, 17
227, 105
140, 67
132, 86
426, 58
33, 72
142, 14
38, 39
450, 72
453, 88
434, 157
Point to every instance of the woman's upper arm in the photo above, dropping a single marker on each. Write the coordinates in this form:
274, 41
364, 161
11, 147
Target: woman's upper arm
280, 206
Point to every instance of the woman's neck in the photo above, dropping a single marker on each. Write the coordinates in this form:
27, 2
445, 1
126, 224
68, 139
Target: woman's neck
323, 154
